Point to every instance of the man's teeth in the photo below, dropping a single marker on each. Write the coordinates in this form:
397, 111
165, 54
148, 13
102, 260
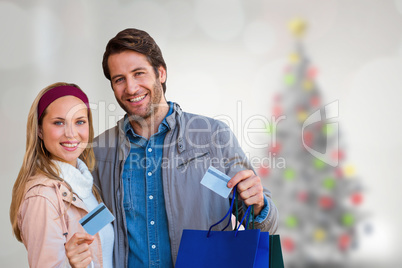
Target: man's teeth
137, 99
71, 145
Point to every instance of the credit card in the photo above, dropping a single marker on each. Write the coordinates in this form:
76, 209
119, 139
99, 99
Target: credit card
216, 181
95, 220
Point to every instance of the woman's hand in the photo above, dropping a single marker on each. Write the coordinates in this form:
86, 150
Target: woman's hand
77, 250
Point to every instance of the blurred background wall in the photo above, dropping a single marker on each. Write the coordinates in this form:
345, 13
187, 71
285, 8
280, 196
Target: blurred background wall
225, 59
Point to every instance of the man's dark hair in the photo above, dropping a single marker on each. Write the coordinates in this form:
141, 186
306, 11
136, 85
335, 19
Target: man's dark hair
138, 41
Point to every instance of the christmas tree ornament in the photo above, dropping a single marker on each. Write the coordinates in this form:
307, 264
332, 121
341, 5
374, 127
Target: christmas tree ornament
318, 163
312, 72
356, 198
337, 155
276, 112
348, 219
315, 101
288, 244
302, 196
291, 221
326, 202
319, 235
298, 27
275, 148
338, 172
294, 58
289, 174
289, 79
344, 242
349, 171
308, 138
301, 116
307, 85
327, 129
329, 183
263, 171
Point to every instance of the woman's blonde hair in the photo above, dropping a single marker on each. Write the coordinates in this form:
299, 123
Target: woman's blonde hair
37, 160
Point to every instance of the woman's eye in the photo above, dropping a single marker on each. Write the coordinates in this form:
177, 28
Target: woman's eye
58, 123
81, 122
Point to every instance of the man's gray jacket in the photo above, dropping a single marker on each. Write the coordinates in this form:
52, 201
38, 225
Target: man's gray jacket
192, 144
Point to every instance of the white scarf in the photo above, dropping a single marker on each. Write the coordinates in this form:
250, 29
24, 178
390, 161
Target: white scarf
80, 179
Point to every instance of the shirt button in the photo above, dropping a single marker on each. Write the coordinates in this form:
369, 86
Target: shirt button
74, 198
64, 194
151, 197
152, 222
149, 149
149, 173
153, 247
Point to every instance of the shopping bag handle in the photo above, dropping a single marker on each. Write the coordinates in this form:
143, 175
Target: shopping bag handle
227, 214
247, 220
249, 212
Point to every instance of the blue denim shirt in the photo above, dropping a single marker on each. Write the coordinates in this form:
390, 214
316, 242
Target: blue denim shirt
144, 203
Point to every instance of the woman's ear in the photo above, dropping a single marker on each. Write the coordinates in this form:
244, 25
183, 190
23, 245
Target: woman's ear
40, 135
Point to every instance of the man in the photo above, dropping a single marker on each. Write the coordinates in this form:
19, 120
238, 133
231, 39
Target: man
150, 165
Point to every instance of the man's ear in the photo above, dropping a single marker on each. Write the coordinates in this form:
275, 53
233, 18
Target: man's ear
162, 74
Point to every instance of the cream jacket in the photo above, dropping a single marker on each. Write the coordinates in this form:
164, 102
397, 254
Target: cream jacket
47, 221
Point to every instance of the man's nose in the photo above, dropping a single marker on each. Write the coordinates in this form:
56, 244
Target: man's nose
132, 86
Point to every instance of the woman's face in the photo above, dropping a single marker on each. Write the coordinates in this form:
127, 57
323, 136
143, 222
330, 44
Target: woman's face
65, 129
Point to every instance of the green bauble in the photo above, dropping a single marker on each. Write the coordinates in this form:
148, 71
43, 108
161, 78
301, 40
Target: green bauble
348, 219
291, 222
289, 174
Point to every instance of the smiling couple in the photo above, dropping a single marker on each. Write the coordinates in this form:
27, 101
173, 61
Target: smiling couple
60, 181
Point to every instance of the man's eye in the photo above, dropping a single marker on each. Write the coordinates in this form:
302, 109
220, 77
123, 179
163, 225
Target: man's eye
139, 73
118, 80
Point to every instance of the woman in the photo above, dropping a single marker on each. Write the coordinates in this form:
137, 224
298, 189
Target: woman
54, 188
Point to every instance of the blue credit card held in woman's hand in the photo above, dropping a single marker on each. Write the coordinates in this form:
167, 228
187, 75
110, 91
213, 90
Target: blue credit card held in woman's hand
95, 220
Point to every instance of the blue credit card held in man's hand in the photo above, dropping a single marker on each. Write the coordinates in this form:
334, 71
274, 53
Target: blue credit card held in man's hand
216, 181
95, 220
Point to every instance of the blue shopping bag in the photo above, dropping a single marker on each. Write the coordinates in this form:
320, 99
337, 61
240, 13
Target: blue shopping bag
200, 248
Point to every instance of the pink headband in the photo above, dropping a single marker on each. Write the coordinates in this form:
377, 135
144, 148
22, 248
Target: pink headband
58, 92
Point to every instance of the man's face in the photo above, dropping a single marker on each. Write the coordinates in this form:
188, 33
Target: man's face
136, 87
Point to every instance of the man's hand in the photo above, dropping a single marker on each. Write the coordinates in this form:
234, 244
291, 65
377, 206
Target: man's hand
77, 250
249, 188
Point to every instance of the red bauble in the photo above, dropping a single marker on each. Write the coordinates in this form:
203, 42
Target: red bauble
315, 101
337, 155
312, 72
326, 202
356, 198
302, 196
263, 171
338, 172
344, 242
288, 244
277, 111
308, 138
275, 148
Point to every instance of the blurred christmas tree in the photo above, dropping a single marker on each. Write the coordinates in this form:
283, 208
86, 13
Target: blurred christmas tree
317, 195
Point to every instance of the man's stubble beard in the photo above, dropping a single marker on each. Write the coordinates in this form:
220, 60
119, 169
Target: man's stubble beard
152, 107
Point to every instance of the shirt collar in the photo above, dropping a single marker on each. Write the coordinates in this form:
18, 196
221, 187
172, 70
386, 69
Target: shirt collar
164, 126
